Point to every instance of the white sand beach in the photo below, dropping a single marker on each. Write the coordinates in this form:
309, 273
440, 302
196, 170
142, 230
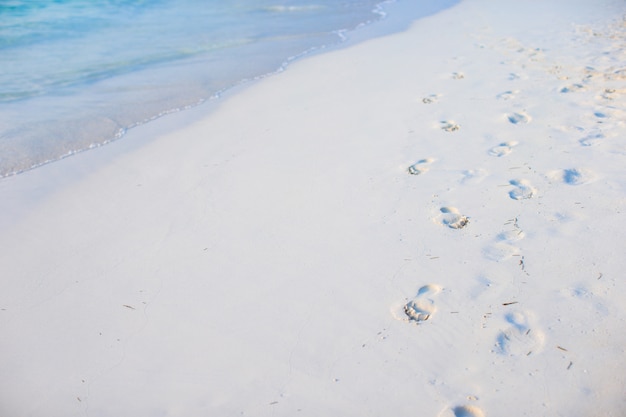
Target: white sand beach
427, 223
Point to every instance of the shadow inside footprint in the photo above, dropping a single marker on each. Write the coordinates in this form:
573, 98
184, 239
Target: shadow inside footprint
571, 88
573, 176
507, 95
468, 411
519, 118
577, 176
591, 139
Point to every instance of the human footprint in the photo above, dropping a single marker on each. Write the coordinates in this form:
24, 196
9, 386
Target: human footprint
520, 338
502, 149
519, 118
451, 217
449, 126
422, 307
523, 190
420, 166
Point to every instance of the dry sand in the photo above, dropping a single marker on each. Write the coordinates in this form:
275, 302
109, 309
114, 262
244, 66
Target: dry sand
428, 223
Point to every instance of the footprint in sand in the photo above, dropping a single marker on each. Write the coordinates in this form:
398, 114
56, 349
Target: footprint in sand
451, 217
520, 338
503, 248
420, 166
522, 191
572, 88
467, 411
433, 98
422, 307
502, 149
511, 235
507, 95
473, 176
573, 176
500, 251
449, 126
611, 93
592, 138
519, 118
601, 114
607, 94
577, 176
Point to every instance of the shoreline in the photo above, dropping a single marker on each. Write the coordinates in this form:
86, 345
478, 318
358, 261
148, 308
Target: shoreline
114, 127
426, 221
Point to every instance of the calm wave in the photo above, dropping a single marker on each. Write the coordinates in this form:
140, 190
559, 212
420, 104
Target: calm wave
78, 73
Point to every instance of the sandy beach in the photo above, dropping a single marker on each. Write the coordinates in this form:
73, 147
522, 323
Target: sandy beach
425, 223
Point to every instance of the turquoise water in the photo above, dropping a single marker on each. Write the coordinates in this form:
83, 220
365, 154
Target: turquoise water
76, 74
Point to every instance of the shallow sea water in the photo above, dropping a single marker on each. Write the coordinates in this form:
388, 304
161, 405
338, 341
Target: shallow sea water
78, 73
